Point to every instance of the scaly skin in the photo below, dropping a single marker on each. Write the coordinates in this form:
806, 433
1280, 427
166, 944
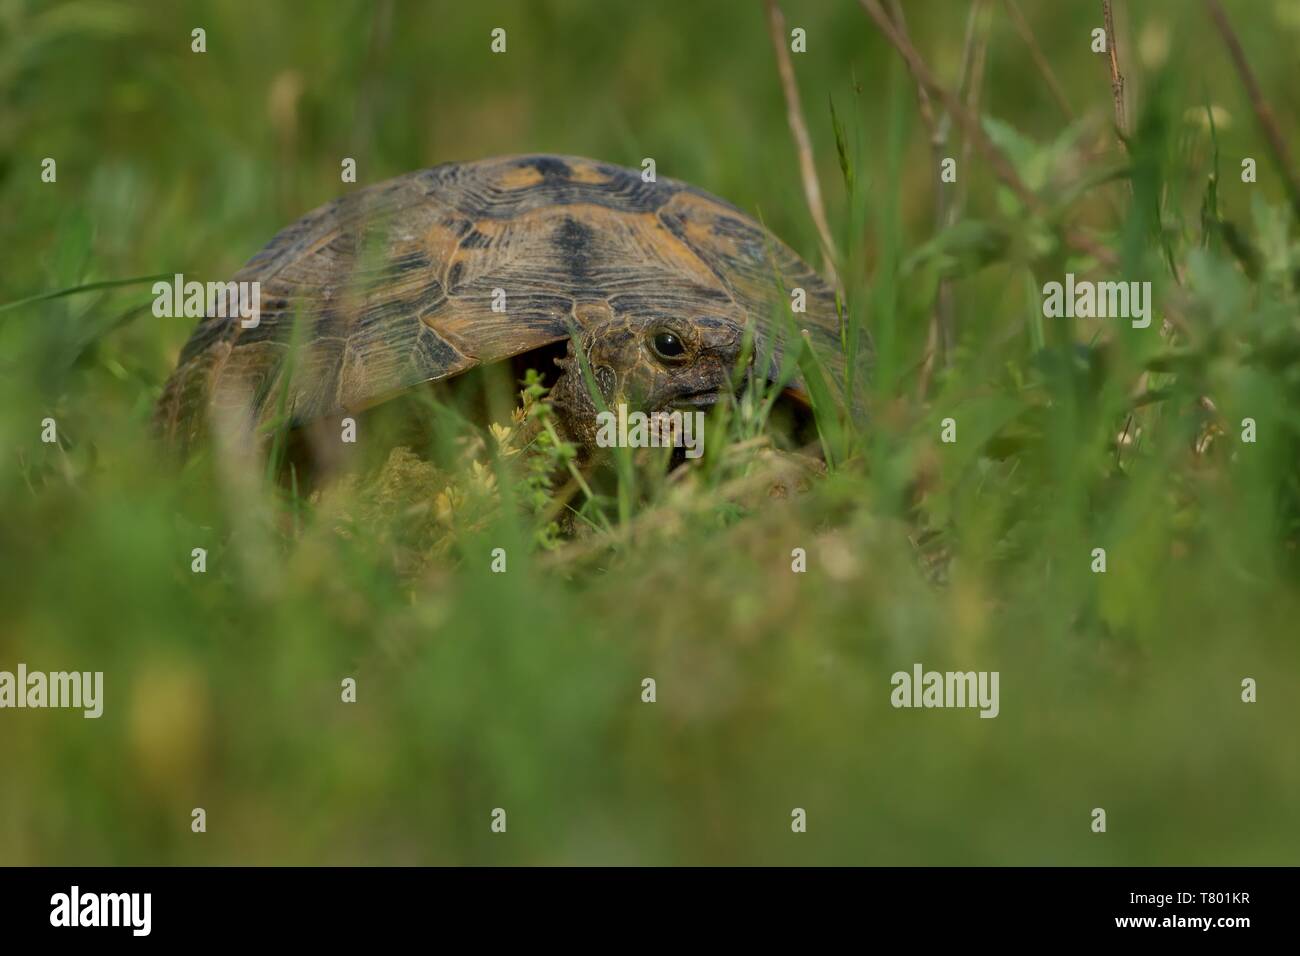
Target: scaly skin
627, 369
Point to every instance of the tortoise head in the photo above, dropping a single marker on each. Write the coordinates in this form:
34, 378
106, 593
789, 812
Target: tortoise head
650, 364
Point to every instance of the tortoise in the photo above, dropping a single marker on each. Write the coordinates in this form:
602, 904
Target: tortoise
425, 276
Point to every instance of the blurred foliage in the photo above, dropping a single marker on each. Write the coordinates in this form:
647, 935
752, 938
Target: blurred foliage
522, 690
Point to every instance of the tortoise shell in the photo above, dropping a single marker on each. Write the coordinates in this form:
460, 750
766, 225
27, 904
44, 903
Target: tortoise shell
395, 284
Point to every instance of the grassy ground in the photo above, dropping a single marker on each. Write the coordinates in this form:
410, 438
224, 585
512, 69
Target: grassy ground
522, 690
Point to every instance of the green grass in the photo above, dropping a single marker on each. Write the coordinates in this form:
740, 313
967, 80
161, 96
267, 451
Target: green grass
522, 690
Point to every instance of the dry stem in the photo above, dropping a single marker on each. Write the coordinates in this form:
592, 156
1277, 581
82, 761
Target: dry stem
803, 144
1263, 113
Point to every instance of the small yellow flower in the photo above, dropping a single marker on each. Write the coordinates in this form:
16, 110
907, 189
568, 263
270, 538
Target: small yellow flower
482, 477
446, 502
503, 436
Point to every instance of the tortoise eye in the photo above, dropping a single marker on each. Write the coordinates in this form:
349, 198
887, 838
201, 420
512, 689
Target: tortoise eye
668, 346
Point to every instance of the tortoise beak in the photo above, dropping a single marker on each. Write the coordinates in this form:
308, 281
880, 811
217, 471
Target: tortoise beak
706, 398
700, 399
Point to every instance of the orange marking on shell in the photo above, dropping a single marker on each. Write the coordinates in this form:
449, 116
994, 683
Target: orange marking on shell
586, 173
518, 177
